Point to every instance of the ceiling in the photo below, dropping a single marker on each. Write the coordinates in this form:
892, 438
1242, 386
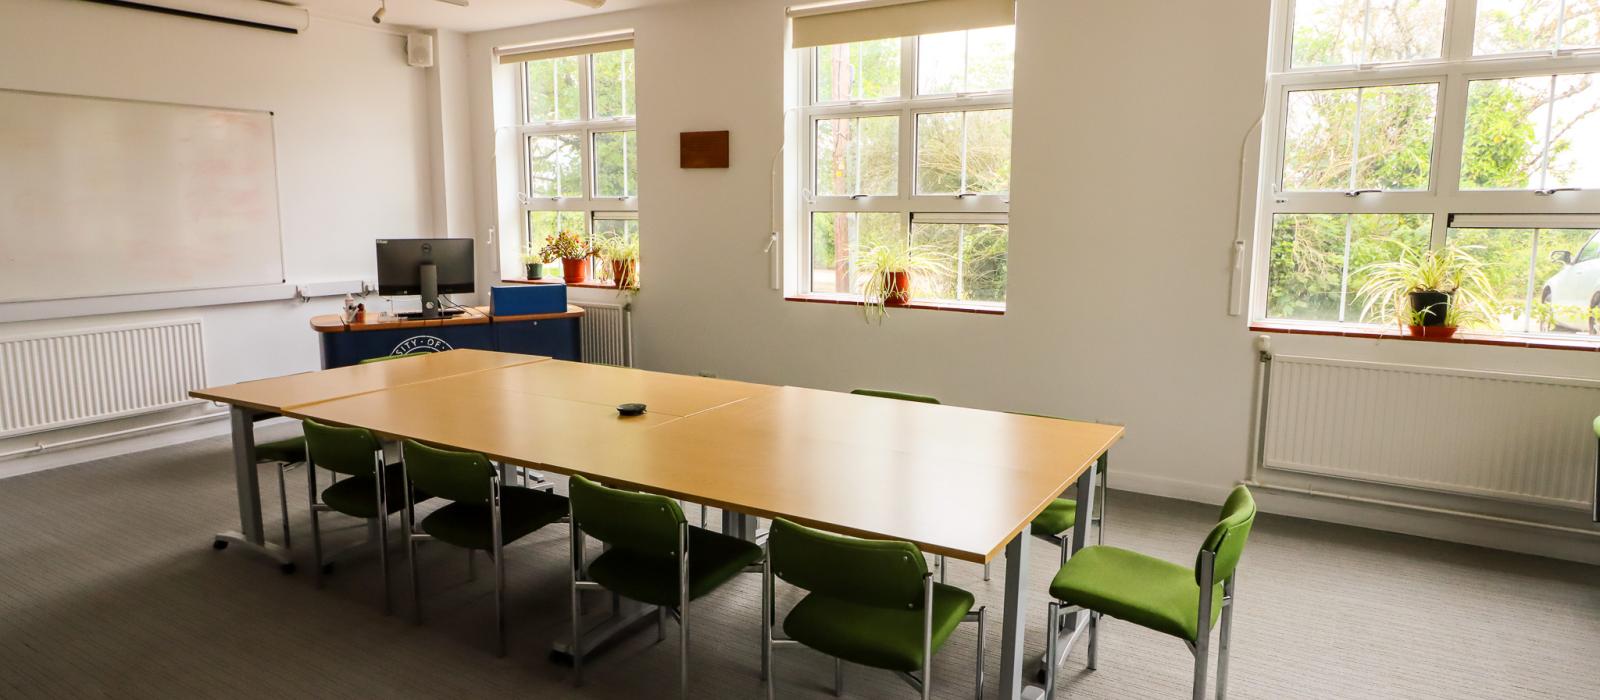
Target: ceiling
479, 16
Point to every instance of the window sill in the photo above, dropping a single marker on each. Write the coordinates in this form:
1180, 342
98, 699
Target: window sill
1461, 338
988, 309
558, 280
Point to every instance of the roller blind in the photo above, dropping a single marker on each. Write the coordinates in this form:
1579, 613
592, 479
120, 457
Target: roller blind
864, 20
569, 47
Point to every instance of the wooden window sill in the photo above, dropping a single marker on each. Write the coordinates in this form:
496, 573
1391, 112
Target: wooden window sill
1461, 338
557, 280
919, 304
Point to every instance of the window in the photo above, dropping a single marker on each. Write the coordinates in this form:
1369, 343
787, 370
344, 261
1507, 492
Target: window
580, 148
1481, 145
907, 142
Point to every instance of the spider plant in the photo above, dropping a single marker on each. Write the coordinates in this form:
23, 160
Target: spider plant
882, 266
622, 253
1387, 286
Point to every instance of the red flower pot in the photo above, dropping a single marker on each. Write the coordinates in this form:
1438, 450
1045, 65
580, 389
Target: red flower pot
897, 291
623, 273
1436, 332
575, 271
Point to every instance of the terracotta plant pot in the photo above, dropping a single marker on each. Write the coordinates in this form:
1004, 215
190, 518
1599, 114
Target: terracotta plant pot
897, 291
575, 270
1436, 332
624, 272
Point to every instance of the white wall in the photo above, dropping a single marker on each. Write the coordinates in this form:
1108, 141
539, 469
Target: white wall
353, 140
1130, 122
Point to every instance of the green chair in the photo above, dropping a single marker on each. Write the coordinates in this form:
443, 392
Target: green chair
372, 490
1595, 507
1157, 594
869, 602
285, 455
653, 556
482, 514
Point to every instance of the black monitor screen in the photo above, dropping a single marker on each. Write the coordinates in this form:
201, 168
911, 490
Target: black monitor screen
401, 259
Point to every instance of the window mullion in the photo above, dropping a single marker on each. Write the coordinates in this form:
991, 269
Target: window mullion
1549, 123
1344, 268
1533, 281
1366, 33
1355, 142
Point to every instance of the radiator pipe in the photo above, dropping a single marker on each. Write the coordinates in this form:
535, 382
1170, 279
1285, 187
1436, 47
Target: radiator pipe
40, 447
1426, 509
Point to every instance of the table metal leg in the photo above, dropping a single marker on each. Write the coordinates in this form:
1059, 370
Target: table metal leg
249, 535
1012, 618
1072, 625
739, 525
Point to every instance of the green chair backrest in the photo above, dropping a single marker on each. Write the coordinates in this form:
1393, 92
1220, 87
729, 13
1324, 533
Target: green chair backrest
1597, 426
462, 477
637, 522
894, 395
882, 573
1226, 540
384, 358
343, 450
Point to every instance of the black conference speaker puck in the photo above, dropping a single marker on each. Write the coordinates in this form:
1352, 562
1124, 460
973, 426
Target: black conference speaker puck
631, 409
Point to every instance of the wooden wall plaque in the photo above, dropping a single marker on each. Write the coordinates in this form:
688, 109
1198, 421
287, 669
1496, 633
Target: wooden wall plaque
703, 149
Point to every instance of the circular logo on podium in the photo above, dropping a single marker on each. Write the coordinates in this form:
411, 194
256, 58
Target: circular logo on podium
419, 344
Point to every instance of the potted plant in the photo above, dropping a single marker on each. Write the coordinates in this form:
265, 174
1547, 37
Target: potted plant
533, 262
889, 273
574, 253
622, 254
1430, 292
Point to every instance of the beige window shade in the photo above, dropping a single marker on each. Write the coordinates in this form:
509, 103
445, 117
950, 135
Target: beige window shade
574, 47
865, 20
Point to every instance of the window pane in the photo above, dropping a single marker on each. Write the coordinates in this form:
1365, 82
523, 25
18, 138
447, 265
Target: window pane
1319, 140
1512, 26
834, 235
865, 70
976, 270
1568, 294
1504, 133
613, 84
1348, 32
1575, 132
552, 89
554, 168
964, 152
616, 164
1396, 144
611, 230
544, 224
979, 60
1560, 296
1311, 275
1582, 26
858, 156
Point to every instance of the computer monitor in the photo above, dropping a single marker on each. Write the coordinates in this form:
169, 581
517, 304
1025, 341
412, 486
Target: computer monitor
427, 267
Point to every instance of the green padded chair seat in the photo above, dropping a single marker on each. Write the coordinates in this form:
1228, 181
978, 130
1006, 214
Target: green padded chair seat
357, 496
713, 559
1058, 517
871, 635
470, 525
1141, 589
287, 451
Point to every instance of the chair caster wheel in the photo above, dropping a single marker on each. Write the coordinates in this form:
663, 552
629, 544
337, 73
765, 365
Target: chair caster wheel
219, 544
286, 568
560, 658
1039, 676
327, 568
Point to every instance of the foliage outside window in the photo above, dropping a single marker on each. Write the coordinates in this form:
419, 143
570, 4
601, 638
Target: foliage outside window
580, 150
1385, 130
908, 143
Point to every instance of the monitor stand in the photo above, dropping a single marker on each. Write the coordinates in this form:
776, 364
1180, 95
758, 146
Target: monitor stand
429, 276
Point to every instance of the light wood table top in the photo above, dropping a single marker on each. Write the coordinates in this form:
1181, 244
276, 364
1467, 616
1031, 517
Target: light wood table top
662, 393
277, 393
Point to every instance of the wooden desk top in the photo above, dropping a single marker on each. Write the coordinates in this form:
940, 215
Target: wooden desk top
475, 316
277, 393
604, 385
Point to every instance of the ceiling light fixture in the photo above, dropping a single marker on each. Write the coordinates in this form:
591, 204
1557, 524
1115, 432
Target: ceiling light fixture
383, 7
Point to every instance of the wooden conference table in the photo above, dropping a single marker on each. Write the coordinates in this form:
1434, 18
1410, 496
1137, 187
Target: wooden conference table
955, 481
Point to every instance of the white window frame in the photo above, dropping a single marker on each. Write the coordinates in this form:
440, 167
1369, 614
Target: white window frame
585, 127
992, 208
1443, 196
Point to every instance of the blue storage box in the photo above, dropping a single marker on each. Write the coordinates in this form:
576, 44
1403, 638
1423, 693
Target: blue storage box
523, 299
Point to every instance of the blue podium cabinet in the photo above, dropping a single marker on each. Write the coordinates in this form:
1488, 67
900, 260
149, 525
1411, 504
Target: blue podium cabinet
551, 335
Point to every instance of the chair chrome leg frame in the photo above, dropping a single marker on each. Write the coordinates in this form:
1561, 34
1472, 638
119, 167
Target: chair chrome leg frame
247, 483
1200, 648
923, 684
379, 527
413, 537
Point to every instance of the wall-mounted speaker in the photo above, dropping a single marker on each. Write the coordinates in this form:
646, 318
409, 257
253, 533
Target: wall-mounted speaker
419, 50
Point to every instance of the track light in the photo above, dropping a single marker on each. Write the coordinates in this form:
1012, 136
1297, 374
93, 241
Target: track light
383, 7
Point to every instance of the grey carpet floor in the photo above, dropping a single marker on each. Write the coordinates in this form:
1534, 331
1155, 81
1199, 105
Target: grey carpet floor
109, 588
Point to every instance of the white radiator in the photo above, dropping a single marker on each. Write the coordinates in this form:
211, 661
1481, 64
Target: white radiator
1514, 437
67, 379
607, 334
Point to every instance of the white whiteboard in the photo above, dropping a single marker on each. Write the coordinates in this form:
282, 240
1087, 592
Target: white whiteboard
102, 197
